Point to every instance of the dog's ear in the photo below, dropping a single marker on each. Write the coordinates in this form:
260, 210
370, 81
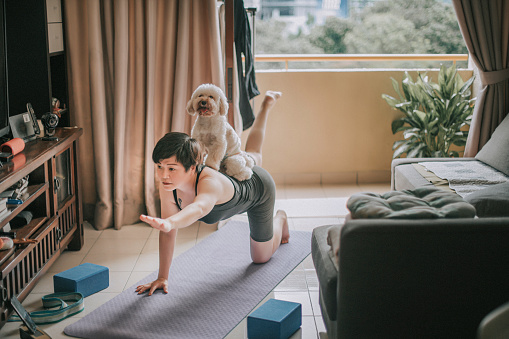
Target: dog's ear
189, 107
223, 104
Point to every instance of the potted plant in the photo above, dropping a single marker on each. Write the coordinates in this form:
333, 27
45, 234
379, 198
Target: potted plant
434, 114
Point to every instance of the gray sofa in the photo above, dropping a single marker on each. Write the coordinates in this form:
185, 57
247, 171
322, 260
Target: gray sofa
415, 277
412, 278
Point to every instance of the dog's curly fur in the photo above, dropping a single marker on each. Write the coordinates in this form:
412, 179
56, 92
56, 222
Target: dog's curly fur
216, 134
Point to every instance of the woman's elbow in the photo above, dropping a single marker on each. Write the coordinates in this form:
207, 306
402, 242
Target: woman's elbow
203, 210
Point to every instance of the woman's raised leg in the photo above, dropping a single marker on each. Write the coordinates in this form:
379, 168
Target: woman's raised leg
256, 135
261, 252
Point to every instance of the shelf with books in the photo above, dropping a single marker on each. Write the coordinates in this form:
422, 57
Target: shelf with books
33, 192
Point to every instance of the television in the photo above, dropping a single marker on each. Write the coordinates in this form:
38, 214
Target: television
4, 107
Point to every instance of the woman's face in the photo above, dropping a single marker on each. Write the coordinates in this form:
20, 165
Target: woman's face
172, 174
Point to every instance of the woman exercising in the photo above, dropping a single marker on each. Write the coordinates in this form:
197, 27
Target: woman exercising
190, 191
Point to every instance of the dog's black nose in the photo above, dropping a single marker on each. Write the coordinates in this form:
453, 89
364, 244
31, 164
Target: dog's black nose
203, 103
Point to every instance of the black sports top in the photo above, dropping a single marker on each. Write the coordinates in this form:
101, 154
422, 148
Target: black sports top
248, 195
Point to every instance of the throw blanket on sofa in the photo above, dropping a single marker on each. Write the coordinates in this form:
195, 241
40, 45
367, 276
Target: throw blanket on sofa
466, 177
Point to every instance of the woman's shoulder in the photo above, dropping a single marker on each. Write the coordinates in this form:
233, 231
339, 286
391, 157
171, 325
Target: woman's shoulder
210, 174
205, 170
217, 184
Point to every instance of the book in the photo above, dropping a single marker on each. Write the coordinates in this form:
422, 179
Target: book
3, 204
6, 228
7, 193
4, 214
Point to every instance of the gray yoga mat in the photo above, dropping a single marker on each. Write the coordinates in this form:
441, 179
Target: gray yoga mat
212, 287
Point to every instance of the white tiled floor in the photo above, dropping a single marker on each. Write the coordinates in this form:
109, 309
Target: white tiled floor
131, 255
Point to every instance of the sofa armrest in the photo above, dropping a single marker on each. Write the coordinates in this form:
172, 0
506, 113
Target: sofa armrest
326, 269
405, 161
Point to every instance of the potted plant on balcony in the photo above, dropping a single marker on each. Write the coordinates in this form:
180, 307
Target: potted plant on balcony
434, 114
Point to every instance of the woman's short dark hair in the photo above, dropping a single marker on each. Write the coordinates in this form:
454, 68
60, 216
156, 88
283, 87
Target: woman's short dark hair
187, 150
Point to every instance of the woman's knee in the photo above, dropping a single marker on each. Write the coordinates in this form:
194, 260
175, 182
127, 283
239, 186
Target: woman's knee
261, 252
260, 260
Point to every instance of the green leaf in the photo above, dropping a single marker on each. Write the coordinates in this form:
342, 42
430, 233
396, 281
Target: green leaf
442, 75
403, 104
416, 151
402, 128
395, 85
390, 100
410, 133
460, 142
400, 150
420, 114
396, 125
466, 86
398, 143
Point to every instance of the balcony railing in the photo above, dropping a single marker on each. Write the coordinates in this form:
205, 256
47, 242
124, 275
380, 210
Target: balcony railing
355, 58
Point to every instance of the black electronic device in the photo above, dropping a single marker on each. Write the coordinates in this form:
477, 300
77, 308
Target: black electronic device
30, 110
30, 330
10, 234
50, 122
4, 108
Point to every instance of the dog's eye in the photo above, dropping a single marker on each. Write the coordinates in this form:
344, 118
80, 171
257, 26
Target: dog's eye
210, 96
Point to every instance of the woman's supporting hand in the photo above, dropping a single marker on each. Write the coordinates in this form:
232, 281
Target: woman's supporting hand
159, 283
157, 223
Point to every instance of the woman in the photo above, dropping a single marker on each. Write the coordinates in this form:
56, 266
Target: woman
191, 192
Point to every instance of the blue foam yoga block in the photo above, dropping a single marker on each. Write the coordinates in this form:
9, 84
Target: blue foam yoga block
276, 319
86, 278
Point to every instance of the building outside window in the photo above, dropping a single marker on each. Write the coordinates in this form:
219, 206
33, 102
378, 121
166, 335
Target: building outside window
358, 27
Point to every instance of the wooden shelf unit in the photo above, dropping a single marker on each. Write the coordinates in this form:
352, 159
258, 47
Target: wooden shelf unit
54, 198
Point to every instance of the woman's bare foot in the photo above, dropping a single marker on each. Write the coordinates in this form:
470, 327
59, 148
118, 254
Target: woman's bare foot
285, 234
270, 99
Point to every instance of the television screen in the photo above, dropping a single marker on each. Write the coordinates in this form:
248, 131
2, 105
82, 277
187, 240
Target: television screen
4, 111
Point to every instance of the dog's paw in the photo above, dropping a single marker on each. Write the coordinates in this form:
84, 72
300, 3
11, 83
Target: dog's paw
249, 161
245, 174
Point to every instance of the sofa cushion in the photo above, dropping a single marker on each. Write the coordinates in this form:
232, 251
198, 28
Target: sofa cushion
494, 152
492, 201
420, 203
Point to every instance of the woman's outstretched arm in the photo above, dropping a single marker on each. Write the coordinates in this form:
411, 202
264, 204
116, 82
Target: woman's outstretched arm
209, 191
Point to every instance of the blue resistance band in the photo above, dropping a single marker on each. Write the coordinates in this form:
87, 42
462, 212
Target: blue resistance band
68, 304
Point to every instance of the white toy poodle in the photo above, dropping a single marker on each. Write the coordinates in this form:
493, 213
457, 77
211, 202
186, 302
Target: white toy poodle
216, 134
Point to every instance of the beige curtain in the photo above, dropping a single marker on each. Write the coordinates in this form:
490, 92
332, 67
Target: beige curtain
485, 28
133, 65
